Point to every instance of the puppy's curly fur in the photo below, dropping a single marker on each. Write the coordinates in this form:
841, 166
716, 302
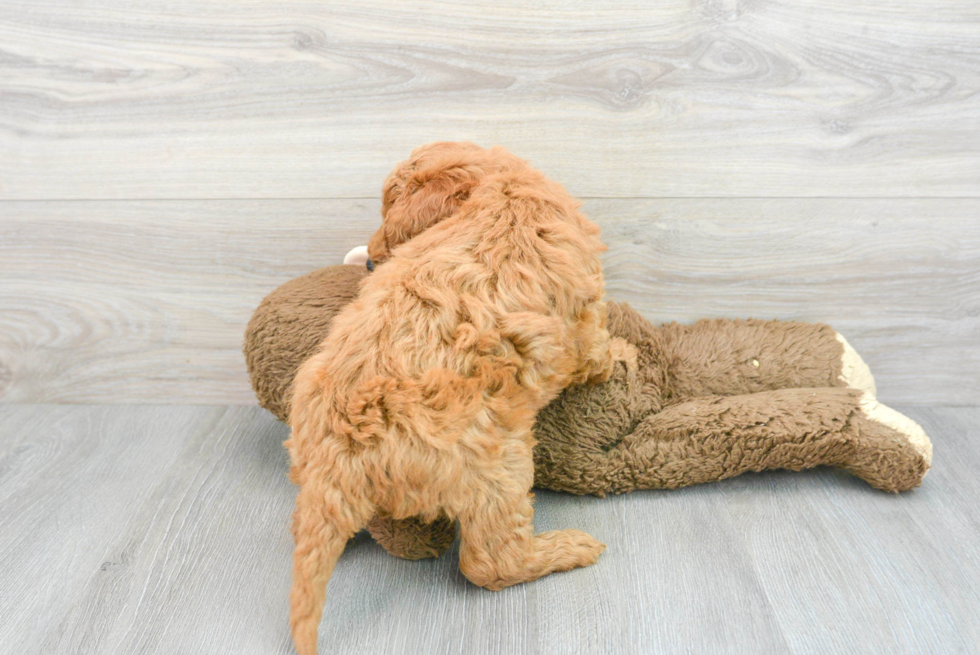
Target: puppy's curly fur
485, 304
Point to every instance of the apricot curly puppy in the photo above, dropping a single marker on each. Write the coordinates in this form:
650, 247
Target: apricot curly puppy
422, 398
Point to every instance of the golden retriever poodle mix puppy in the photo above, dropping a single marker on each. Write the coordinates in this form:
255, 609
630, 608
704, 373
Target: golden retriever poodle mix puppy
486, 302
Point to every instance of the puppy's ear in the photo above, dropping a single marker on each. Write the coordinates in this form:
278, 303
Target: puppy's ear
426, 189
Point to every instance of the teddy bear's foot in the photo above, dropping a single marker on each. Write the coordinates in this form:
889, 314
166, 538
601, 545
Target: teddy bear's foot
889, 451
901, 423
854, 372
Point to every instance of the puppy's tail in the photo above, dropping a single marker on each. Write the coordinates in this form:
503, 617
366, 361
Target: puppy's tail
323, 522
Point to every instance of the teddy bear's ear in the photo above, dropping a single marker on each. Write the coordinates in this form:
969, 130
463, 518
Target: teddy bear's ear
427, 188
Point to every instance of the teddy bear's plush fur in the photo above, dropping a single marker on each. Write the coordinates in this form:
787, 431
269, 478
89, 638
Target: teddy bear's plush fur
681, 404
687, 404
422, 398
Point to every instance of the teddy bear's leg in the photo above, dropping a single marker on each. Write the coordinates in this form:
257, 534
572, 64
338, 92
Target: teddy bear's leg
413, 538
732, 357
717, 437
881, 465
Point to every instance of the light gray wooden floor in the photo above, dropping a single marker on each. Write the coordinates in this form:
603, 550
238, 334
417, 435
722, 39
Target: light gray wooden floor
163, 529
165, 164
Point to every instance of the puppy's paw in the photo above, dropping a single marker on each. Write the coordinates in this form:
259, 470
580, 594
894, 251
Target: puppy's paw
854, 373
573, 548
621, 350
599, 374
588, 547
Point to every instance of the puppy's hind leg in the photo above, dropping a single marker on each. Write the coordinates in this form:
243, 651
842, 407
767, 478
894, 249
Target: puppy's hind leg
323, 523
499, 547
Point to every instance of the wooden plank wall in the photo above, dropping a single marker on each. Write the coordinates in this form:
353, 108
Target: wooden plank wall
165, 165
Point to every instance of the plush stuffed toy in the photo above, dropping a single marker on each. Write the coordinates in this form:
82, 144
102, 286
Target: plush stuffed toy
687, 404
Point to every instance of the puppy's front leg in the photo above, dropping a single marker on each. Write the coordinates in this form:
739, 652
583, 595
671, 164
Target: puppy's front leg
499, 547
596, 359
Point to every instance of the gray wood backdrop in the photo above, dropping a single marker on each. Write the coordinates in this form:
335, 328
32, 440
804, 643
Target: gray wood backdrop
165, 164
163, 530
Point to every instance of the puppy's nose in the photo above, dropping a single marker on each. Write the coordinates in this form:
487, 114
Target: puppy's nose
370, 265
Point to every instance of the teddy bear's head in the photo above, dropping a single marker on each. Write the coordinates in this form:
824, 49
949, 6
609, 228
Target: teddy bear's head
430, 186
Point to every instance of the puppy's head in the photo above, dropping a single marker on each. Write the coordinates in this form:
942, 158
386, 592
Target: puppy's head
430, 186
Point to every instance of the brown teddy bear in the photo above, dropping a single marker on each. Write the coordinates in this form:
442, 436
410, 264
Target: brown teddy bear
687, 404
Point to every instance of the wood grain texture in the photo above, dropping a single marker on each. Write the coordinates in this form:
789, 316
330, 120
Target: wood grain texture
851, 570
899, 278
147, 301
614, 98
139, 529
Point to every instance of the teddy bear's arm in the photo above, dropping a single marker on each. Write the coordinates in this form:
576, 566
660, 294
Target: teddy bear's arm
717, 437
413, 538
